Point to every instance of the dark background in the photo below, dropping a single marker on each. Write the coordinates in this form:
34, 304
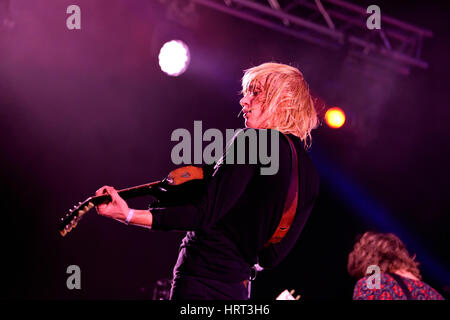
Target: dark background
81, 109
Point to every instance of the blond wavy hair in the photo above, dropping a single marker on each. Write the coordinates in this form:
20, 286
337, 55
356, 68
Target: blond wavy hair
287, 101
385, 250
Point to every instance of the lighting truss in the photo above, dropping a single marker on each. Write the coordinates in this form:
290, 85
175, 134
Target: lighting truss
335, 24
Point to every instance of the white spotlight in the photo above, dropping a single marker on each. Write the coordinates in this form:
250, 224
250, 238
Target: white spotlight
174, 57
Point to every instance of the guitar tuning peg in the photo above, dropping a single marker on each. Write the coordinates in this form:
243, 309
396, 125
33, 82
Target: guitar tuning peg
70, 210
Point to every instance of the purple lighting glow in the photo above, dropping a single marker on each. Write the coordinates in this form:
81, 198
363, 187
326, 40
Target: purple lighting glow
174, 57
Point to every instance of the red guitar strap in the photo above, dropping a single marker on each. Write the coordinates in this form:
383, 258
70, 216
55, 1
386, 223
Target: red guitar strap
290, 205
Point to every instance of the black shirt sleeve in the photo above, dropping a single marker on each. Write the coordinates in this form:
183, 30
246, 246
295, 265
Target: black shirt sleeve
222, 192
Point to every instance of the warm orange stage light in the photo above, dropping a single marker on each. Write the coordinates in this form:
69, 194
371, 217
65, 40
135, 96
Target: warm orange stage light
335, 117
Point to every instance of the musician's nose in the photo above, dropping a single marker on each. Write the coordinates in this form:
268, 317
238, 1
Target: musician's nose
246, 101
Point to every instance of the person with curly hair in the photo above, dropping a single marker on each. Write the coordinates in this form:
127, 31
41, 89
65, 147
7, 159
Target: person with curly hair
399, 277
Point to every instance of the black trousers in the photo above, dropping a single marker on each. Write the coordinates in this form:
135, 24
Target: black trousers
196, 288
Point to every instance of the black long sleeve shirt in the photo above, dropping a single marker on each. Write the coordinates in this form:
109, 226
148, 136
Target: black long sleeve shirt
237, 215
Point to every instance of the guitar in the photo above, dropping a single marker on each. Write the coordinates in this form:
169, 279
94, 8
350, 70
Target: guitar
180, 186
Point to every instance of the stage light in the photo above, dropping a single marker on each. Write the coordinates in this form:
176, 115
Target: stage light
335, 117
174, 57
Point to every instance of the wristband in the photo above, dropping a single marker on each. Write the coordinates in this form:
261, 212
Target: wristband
130, 216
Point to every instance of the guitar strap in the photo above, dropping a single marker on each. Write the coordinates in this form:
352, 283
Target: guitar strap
290, 205
402, 285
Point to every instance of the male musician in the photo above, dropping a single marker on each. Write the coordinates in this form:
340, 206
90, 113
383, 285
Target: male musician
231, 228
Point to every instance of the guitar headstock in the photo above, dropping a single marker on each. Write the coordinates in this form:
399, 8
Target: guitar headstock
71, 219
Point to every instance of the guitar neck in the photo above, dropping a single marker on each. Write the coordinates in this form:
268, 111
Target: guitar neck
128, 193
189, 176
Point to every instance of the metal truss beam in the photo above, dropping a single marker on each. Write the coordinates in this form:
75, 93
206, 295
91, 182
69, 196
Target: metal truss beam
335, 24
